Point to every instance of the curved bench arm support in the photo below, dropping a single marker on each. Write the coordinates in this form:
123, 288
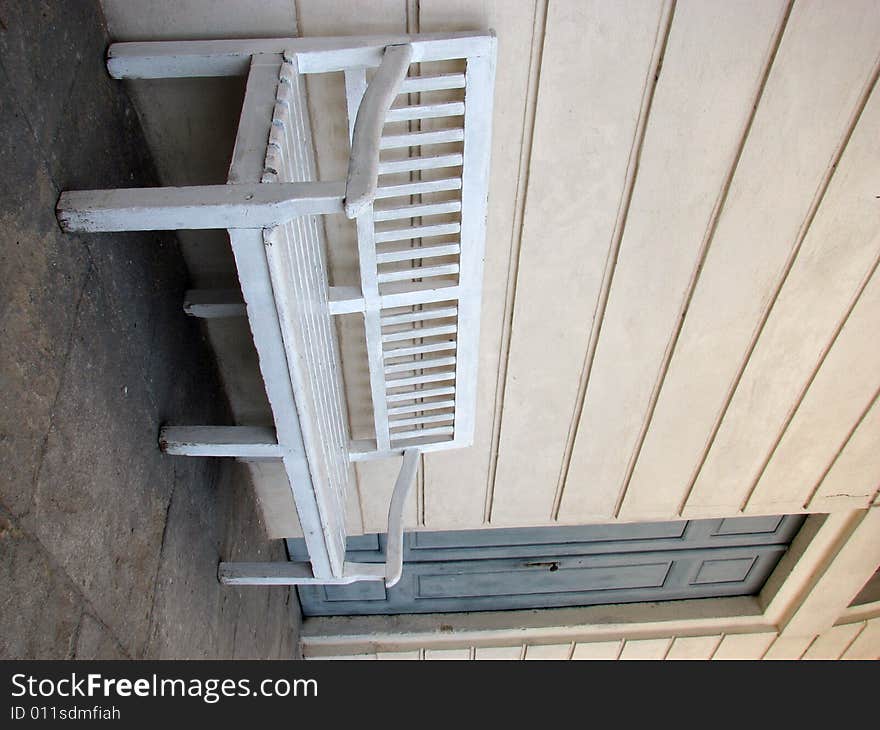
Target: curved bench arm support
402, 488
363, 165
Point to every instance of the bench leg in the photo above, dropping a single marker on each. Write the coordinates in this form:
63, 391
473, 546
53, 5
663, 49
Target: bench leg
256, 205
244, 442
213, 303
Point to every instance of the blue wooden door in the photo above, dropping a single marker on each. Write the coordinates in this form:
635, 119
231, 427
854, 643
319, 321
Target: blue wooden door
498, 569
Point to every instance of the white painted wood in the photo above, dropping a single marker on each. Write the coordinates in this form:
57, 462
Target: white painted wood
404, 367
788, 648
214, 303
425, 47
364, 453
635, 649
355, 88
854, 477
432, 82
285, 241
500, 628
597, 650
478, 99
324, 534
398, 436
256, 287
326, 95
693, 647
839, 579
839, 394
498, 652
393, 352
456, 482
196, 207
418, 333
547, 652
402, 489
406, 234
421, 406
417, 272
407, 294
860, 611
249, 442
294, 573
411, 164
176, 59
345, 300
425, 111
420, 420
399, 655
421, 379
867, 643
833, 643
296, 258
418, 139
803, 115
448, 654
561, 256
363, 165
421, 315
418, 188
416, 211
744, 646
372, 326
811, 549
422, 393
691, 144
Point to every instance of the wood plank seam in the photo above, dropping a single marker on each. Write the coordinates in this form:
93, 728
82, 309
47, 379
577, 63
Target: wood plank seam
703, 252
715, 649
806, 387
801, 235
536, 51
874, 399
414, 97
652, 76
853, 640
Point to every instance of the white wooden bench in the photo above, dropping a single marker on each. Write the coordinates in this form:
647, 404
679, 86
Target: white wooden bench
420, 281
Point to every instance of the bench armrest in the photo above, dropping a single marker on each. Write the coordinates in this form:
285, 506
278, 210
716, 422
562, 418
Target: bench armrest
363, 164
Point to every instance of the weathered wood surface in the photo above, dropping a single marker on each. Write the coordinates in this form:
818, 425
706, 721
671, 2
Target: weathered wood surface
324, 531
363, 163
196, 207
184, 59
246, 442
669, 262
213, 303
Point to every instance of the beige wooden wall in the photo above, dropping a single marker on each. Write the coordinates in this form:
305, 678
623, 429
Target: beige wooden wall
680, 305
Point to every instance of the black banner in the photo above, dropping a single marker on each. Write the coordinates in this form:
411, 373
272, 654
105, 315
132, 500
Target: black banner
136, 693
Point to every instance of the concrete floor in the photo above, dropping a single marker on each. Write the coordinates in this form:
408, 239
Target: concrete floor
108, 549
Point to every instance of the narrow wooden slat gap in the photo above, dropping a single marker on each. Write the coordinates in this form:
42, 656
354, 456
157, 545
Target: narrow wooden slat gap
803, 392
853, 640
651, 79
536, 52
843, 445
802, 233
703, 252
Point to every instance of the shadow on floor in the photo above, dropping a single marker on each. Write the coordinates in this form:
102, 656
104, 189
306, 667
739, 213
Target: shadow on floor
108, 549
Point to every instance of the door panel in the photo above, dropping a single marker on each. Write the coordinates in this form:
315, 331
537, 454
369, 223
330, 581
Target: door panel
485, 570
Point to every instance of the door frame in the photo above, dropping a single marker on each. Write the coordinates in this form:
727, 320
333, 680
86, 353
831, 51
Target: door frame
808, 594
